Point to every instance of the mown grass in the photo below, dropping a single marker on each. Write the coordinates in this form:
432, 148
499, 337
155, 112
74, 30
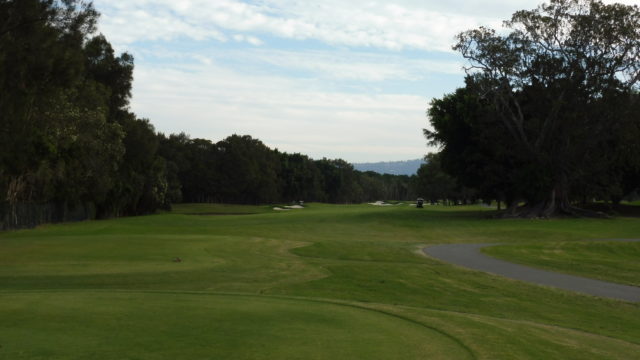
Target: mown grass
605, 260
325, 282
200, 326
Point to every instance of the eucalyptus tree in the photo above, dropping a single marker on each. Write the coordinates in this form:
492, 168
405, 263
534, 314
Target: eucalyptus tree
68, 138
560, 84
57, 144
473, 148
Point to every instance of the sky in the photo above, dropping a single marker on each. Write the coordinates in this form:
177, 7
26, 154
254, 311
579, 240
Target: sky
349, 79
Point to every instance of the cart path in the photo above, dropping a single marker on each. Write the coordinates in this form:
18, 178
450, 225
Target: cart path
469, 256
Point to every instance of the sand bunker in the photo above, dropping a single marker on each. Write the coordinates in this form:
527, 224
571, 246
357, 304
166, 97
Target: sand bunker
380, 203
287, 208
294, 207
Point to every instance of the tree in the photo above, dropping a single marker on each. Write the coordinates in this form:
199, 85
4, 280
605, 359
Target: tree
299, 178
339, 181
434, 184
113, 75
560, 84
473, 148
248, 170
68, 139
57, 145
141, 185
197, 160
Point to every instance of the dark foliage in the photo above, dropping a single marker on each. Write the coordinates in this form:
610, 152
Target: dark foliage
69, 142
549, 114
240, 169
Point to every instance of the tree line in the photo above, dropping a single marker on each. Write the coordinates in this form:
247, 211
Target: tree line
241, 169
73, 150
549, 117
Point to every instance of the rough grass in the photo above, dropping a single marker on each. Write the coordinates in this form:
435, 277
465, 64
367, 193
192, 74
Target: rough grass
325, 282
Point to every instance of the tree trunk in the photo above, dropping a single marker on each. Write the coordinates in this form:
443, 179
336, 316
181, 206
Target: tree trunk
555, 204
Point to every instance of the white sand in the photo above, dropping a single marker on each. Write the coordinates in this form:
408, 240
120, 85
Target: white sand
287, 208
294, 207
380, 203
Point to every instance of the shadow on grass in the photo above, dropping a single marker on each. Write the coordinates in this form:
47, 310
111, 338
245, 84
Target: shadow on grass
616, 210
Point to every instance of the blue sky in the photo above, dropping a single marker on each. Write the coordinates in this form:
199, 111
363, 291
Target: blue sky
336, 79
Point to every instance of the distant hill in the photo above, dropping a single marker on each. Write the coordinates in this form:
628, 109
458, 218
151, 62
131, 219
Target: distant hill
407, 167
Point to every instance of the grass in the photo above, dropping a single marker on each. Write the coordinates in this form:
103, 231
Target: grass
325, 282
612, 261
196, 326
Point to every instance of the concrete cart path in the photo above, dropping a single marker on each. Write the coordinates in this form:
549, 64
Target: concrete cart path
469, 256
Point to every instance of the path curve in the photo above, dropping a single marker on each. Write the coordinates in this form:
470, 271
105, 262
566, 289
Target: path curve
469, 256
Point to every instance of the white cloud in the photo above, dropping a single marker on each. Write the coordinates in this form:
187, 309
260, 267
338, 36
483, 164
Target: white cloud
248, 39
354, 23
126, 25
324, 65
403, 24
291, 115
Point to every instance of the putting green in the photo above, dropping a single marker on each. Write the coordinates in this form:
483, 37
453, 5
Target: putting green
139, 325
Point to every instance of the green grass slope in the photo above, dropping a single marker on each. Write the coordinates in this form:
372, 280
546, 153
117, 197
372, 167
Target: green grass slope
326, 282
